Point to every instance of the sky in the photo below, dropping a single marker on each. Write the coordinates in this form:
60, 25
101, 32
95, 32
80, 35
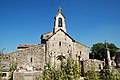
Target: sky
87, 21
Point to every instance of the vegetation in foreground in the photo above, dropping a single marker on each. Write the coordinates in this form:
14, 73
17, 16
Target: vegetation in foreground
68, 71
71, 70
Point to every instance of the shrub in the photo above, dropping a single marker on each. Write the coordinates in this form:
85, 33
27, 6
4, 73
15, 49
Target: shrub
68, 71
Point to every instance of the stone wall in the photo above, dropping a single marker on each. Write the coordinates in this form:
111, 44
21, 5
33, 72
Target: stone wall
93, 64
33, 56
118, 58
81, 50
26, 75
62, 44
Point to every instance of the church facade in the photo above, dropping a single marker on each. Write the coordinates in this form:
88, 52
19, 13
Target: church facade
53, 44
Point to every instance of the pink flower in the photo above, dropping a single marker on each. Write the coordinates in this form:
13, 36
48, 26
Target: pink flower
71, 50
70, 54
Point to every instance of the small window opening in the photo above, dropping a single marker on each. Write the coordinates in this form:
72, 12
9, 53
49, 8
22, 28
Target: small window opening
59, 43
50, 53
80, 52
53, 45
31, 60
60, 22
6, 57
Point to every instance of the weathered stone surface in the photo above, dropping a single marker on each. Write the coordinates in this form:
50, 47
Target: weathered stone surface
26, 75
93, 64
61, 44
33, 56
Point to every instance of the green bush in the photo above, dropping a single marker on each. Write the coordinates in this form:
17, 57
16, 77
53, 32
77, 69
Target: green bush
111, 74
68, 71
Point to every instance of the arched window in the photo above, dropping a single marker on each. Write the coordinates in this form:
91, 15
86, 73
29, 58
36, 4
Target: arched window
60, 22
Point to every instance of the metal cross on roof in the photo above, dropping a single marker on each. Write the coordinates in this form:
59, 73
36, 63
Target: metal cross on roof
59, 9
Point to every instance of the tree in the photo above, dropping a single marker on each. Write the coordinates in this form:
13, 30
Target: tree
98, 50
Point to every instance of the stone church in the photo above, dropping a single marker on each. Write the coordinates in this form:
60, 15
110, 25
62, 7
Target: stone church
53, 44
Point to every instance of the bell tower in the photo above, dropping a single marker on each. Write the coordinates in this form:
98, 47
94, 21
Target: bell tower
59, 22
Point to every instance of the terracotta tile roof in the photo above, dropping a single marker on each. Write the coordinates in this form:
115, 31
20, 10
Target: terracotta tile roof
28, 45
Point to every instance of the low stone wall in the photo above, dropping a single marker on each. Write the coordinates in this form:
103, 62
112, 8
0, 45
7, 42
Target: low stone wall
93, 64
32, 75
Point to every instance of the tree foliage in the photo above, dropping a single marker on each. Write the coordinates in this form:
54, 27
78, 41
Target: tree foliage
98, 50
